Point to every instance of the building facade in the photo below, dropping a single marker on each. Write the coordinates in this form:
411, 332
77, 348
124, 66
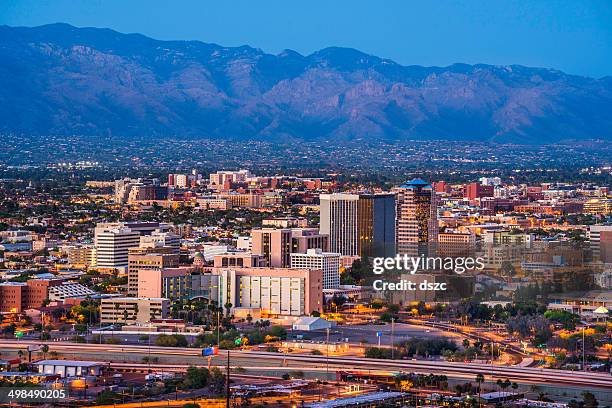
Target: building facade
128, 310
328, 262
416, 217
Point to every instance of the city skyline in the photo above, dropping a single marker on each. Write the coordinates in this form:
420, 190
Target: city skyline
318, 205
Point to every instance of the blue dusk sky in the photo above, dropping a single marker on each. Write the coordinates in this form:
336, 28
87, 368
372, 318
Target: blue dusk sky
574, 36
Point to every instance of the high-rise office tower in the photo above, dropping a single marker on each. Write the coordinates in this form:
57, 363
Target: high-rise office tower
339, 220
376, 225
112, 246
359, 224
113, 240
416, 217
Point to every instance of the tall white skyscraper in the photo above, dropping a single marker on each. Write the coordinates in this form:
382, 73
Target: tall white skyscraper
339, 220
112, 246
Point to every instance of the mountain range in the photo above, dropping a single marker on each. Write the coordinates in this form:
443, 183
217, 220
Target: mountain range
62, 80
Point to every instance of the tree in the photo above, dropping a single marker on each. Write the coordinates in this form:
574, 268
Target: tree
44, 349
107, 398
217, 380
171, 340
196, 378
507, 269
466, 343
589, 400
228, 308
479, 380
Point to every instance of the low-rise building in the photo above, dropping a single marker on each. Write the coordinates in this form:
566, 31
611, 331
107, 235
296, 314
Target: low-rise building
129, 310
70, 368
271, 292
69, 290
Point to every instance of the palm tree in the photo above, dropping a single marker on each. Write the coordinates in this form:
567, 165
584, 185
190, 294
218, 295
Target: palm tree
117, 307
466, 343
479, 380
506, 384
44, 349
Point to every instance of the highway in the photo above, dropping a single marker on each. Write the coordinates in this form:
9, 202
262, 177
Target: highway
264, 361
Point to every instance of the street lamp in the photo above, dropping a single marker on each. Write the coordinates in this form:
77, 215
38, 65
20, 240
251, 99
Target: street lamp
327, 358
392, 341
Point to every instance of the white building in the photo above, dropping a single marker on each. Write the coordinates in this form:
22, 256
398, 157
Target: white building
339, 221
311, 323
112, 247
69, 290
244, 243
328, 262
160, 238
219, 178
112, 240
209, 251
271, 291
68, 368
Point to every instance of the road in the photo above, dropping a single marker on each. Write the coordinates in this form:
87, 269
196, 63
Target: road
264, 361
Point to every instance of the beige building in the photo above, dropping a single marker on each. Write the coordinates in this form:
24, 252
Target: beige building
84, 255
598, 206
271, 291
141, 268
172, 283
277, 244
130, 310
273, 244
239, 260
303, 239
456, 243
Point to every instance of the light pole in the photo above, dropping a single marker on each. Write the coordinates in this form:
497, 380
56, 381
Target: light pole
218, 311
227, 384
392, 341
327, 358
583, 348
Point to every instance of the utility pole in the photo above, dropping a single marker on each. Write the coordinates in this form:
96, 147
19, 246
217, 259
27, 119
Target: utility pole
327, 362
227, 385
218, 311
583, 348
218, 330
392, 341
